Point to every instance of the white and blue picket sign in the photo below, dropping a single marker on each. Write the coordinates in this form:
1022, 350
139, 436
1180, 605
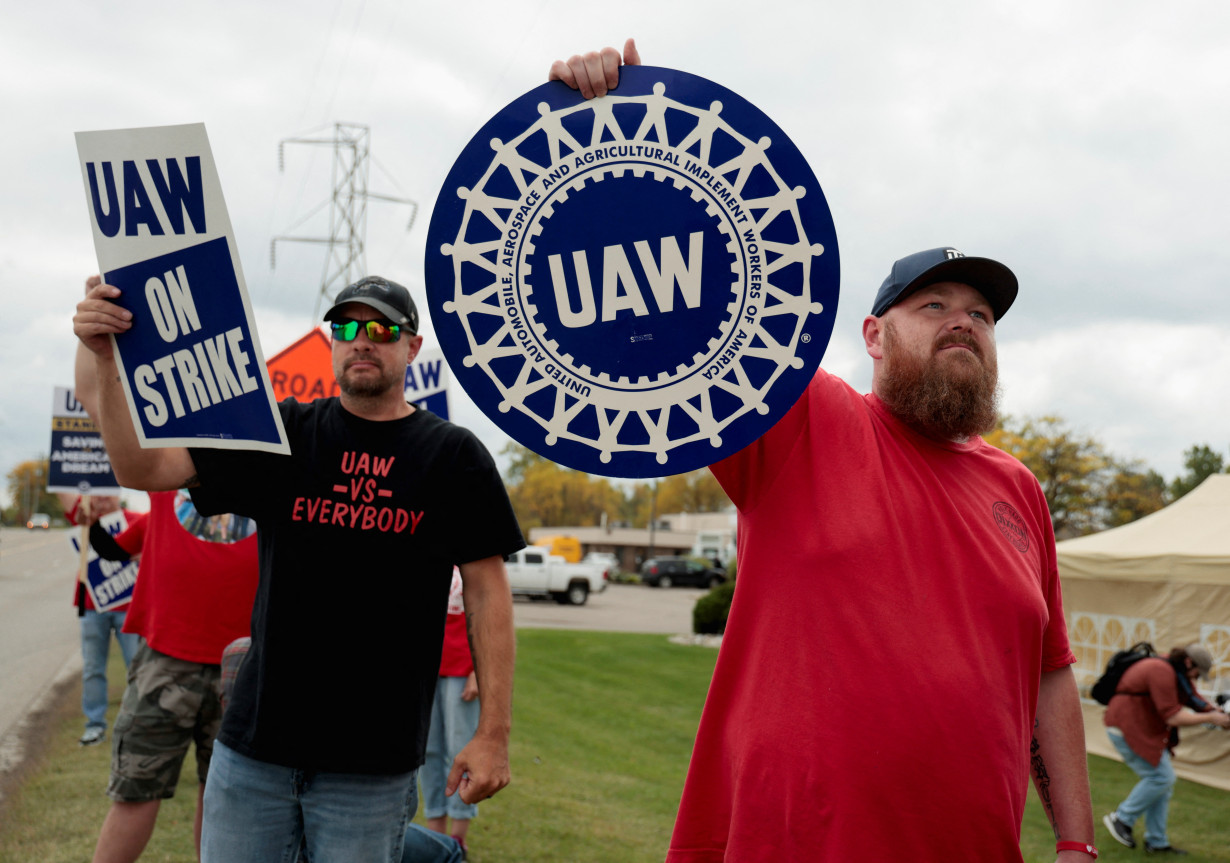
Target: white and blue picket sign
188, 359
191, 364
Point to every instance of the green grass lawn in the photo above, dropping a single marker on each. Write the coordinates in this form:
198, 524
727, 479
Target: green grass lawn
604, 724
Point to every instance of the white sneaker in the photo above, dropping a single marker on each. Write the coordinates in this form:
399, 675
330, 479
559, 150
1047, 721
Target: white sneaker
1121, 832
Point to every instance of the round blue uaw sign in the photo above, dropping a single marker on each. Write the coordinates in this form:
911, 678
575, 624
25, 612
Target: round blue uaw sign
636, 285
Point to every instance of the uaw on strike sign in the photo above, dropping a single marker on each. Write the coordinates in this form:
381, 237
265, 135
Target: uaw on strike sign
191, 364
110, 582
635, 285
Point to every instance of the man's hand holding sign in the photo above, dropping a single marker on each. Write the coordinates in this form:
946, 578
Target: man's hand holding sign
97, 321
594, 73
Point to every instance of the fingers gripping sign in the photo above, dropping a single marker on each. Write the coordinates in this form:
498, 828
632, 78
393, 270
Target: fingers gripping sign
596, 72
98, 318
479, 770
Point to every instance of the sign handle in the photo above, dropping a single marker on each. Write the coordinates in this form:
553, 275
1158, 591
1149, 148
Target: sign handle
83, 563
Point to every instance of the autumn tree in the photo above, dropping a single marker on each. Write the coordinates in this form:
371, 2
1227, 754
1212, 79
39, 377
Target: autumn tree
697, 491
1201, 462
1070, 468
545, 494
639, 504
1132, 491
27, 486
1086, 488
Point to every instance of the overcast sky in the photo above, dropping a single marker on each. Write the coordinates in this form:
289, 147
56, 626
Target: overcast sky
1082, 144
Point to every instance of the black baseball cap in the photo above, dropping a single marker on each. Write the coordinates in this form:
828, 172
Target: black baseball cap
389, 298
990, 278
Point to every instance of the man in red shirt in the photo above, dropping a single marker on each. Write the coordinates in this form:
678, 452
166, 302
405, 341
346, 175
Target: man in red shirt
454, 719
1153, 697
881, 538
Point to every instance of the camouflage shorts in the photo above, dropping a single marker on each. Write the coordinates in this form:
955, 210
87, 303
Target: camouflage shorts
169, 703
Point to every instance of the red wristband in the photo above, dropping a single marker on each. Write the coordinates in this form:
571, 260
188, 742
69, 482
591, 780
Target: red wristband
1083, 847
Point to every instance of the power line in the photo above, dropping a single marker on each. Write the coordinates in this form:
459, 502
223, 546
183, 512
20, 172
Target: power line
346, 258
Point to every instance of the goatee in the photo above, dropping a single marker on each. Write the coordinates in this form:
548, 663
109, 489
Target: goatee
371, 387
951, 395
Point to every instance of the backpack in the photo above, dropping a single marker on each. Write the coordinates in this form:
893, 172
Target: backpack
1104, 688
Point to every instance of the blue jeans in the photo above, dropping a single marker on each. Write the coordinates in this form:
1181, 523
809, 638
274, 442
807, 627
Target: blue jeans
453, 723
427, 846
1151, 796
96, 629
262, 813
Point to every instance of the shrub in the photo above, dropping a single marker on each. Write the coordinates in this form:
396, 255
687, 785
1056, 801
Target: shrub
711, 610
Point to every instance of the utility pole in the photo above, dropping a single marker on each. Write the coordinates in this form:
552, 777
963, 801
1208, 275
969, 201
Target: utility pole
653, 517
346, 260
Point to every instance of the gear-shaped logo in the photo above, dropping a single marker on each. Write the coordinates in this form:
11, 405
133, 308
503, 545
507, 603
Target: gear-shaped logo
635, 285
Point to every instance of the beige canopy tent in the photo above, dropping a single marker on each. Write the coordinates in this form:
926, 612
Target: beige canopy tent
1164, 579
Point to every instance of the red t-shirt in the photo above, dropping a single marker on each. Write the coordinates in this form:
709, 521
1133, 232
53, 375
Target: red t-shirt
897, 601
455, 659
1142, 715
198, 578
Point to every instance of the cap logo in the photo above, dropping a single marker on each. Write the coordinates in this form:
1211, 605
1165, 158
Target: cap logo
952, 254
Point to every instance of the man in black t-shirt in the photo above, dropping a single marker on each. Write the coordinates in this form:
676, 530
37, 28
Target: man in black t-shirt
360, 527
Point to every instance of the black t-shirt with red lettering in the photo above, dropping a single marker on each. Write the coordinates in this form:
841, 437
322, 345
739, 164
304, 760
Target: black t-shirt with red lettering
359, 530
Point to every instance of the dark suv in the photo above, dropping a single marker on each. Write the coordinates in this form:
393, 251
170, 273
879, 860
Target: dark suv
669, 571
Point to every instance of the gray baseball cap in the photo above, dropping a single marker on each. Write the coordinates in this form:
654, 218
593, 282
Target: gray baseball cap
1200, 655
990, 278
387, 297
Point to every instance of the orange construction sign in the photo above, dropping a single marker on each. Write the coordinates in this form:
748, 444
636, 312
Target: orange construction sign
304, 370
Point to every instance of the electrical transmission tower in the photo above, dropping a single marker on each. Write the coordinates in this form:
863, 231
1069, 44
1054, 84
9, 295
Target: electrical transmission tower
346, 260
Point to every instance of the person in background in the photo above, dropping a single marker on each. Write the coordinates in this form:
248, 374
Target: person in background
454, 718
194, 596
97, 627
1154, 698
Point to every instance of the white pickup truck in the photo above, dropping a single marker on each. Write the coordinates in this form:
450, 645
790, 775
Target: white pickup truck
533, 571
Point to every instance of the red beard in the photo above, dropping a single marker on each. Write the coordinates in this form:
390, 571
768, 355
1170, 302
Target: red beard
951, 396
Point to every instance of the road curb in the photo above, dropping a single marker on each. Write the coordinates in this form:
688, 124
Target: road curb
16, 743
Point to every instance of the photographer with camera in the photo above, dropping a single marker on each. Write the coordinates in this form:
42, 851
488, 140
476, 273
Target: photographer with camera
1154, 698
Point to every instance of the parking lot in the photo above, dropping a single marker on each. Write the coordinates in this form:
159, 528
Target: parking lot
619, 608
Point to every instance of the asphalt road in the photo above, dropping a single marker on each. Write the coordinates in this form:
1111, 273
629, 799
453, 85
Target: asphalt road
40, 642
619, 608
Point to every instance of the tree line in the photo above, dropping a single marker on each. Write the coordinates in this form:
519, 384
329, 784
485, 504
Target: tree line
544, 494
27, 488
1087, 488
